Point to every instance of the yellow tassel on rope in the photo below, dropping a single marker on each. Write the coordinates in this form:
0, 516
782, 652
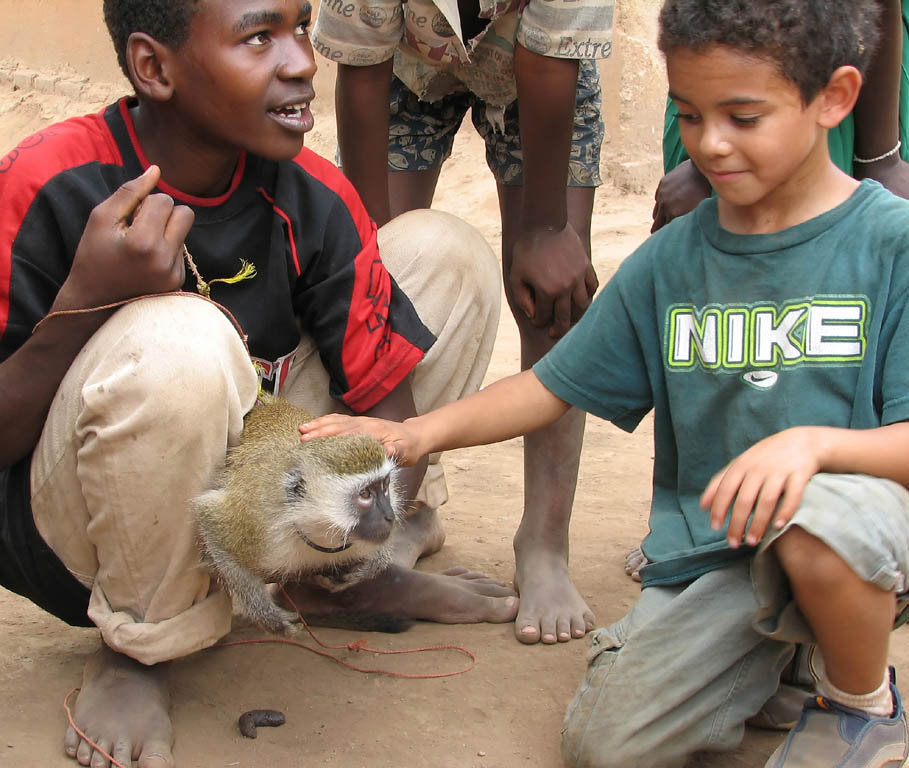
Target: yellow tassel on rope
247, 272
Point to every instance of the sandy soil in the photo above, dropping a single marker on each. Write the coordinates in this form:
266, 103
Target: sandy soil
505, 712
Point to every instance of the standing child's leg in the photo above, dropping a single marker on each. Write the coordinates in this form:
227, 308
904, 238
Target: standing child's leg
551, 608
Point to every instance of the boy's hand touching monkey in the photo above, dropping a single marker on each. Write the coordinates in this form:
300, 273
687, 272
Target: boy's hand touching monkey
132, 245
764, 483
401, 441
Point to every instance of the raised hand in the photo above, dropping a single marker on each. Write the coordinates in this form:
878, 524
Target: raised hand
132, 245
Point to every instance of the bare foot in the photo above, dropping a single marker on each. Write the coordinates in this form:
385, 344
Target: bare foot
457, 596
552, 610
634, 561
122, 707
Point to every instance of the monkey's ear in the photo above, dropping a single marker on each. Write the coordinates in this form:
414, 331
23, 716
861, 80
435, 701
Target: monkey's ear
295, 485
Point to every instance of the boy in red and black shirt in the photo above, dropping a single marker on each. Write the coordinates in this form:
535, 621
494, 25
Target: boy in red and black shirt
121, 395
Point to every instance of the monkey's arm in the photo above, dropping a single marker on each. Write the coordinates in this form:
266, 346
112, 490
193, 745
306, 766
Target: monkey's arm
516, 405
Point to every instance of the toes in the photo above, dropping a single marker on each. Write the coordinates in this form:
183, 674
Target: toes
100, 757
563, 630
458, 570
71, 742
505, 610
527, 634
123, 753
590, 621
156, 754
84, 753
580, 627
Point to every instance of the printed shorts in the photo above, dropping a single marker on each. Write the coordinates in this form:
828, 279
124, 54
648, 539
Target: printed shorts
421, 134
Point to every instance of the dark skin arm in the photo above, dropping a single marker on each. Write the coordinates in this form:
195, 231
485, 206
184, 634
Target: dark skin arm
876, 112
551, 277
132, 245
398, 405
361, 106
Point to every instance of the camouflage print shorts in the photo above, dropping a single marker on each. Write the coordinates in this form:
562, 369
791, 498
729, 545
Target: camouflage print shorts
421, 134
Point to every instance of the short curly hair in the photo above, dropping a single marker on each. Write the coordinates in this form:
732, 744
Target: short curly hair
808, 39
167, 21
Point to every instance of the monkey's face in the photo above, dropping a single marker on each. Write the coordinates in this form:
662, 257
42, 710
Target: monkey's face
377, 513
350, 513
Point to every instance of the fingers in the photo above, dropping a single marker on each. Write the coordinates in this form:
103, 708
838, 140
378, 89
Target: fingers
525, 300
128, 198
561, 316
591, 282
753, 503
659, 218
330, 424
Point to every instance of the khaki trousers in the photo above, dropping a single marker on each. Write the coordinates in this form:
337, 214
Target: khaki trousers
144, 416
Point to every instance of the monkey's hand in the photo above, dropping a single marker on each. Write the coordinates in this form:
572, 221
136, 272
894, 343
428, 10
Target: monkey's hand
401, 441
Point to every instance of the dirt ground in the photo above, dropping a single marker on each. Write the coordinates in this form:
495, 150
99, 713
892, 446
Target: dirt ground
505, 712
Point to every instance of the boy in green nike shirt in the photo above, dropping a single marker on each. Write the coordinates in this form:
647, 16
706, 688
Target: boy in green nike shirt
767, 331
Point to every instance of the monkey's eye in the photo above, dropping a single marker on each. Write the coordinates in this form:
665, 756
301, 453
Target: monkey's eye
366, 493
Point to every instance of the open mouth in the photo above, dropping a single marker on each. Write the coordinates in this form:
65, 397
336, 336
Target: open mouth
294, 116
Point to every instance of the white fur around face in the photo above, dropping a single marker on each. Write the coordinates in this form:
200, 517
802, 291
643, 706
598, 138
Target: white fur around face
329, 525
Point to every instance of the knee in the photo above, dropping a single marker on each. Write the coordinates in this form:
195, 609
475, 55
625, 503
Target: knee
584, 745
594, 734
180, 353
808, 561
424, 243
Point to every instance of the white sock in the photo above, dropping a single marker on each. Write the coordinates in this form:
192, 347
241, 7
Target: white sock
878, 703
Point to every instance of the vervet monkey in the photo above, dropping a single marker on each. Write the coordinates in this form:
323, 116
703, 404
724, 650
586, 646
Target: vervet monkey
319, 511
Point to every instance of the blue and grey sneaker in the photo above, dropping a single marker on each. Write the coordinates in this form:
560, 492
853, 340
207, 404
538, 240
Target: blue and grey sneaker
829, 735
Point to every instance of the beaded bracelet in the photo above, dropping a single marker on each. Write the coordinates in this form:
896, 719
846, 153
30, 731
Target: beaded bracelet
857, 159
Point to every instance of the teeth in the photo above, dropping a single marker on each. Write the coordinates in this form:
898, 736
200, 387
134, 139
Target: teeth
294, 111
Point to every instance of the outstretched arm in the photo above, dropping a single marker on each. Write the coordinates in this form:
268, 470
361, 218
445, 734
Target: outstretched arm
769, 478
132, 245
551, 276
510, 407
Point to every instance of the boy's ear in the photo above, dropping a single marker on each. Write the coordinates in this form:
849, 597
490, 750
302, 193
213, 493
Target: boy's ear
146, 60
839, 96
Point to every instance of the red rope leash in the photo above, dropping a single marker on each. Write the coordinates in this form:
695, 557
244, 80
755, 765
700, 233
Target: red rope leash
360, 645
123, 302
356, 645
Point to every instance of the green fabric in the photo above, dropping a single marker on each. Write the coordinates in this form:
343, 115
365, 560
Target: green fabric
731, 338
840, 139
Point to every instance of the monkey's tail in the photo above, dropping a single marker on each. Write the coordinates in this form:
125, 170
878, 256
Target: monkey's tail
361, 622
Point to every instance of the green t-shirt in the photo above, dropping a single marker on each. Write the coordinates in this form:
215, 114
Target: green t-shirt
732, 338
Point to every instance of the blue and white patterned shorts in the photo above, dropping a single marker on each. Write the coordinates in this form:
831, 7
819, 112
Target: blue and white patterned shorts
421, 134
